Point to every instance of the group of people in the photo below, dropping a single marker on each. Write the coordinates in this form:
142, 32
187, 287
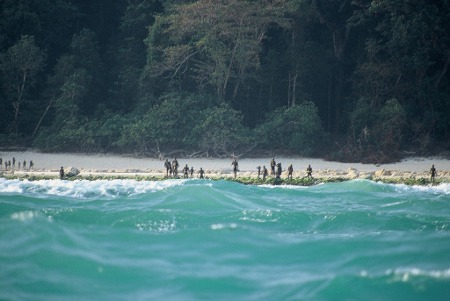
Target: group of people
11, 164
276, 170
172, 170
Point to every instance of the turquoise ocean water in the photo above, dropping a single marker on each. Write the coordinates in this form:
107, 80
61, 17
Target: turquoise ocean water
208, 240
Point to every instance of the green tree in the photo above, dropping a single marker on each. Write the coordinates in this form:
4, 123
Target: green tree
222, 133
130, 54
297, 129
212, 44
21, 66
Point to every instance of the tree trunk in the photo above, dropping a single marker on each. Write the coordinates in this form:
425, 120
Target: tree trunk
42, 117
443, 71
19, 102
294, 86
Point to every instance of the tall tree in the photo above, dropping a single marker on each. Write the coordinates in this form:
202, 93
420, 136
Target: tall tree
214, 44
21, 65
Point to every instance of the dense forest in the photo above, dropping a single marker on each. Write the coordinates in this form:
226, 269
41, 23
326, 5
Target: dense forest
346, 80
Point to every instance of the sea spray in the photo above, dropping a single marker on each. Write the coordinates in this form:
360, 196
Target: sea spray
221, 240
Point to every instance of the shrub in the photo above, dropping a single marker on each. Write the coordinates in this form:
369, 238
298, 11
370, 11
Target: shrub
297, 128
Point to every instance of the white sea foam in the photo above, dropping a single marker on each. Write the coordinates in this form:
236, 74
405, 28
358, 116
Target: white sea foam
405, 274
230, 226
23, 215
295, 187
443, 188
84, 188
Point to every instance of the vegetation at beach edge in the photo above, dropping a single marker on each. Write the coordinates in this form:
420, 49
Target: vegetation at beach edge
296, 181
344, 80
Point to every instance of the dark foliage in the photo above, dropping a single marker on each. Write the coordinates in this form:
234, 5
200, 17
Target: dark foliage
348, 80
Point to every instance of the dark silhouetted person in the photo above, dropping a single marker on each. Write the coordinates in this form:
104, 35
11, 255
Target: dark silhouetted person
175, 166
309, 171
14, 162
24, 165
168, 167
433, 173
1, 163
61, 173
279, 170
31, 164
290, 171
201, 172
186, 171
259, 171
235, 167
192, 171
265, 173
272, 166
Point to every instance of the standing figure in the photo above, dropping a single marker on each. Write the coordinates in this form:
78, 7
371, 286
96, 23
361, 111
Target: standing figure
279, 170
201, 172
272, 166
1, 163
31, 164
290, 171
186, 171
259, 171
24, 165
168, 167
61, 173
265, 173
235, 167
175, 167
433, 173
309, 171
192, 171
18, 163
14, 162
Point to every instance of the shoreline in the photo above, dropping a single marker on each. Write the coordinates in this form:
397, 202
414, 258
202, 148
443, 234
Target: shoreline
413, 170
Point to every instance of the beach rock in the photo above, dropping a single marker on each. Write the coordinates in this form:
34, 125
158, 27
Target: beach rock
352, 173
382, 173
72, 171
367, 175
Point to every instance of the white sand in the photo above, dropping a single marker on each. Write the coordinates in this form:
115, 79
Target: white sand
103, 163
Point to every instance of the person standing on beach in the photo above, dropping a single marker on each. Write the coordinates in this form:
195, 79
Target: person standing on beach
201, 172
186, 171
279, 170
175, 167
192, 171
31, 164
433, 173
290, 170
265, 173
259, 171
168, 167
14, 162
61, 173
235, 167
24, 165
1, 163
272, 166
309, 172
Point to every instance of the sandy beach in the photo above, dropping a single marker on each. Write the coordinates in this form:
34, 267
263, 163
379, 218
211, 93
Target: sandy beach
104, 164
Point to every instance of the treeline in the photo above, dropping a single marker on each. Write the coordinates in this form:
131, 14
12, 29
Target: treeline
349, 80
